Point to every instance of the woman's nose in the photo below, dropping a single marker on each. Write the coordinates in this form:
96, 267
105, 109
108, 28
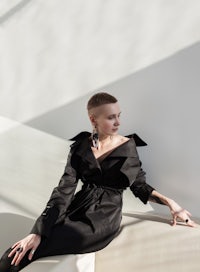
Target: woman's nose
117, 122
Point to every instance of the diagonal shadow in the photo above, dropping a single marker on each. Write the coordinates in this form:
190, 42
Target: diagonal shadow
50, 121
148, 216
143, 217
154, 217
18, 206
6, 16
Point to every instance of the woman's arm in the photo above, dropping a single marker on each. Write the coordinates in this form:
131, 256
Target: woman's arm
56, 207
146, 193
60, 199
176, 210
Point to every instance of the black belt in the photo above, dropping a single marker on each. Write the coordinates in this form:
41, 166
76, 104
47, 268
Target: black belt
91, 185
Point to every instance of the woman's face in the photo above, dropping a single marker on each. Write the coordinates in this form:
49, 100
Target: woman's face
106, 118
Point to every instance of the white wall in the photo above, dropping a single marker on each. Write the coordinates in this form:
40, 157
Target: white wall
53, 52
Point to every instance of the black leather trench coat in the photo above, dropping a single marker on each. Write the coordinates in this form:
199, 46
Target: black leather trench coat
95, 211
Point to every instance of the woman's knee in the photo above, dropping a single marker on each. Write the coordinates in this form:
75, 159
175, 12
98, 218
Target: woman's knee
6, 266
5, 261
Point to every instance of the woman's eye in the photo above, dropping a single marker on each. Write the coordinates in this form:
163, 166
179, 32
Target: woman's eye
113, 117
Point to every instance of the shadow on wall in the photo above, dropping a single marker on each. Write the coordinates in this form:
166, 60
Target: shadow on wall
165, 92
12, 11
161, 104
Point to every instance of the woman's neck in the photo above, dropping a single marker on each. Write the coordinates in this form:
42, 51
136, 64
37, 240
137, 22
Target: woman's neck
105, 140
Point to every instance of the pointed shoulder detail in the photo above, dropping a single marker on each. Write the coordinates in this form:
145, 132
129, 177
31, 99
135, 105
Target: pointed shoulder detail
79, 137
82, 135
137, 139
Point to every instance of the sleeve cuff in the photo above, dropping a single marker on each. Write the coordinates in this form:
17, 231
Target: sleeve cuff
44, 223
143, 192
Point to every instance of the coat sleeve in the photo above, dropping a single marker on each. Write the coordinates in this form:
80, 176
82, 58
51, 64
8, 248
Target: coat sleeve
60, 199
139, 187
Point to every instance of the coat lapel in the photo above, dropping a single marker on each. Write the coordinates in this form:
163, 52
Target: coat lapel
85, 152
131, 165
127, 150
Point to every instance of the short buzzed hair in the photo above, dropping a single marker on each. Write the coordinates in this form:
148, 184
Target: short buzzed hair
100, 99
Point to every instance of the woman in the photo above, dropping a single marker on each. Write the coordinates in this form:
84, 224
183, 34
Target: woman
107, 163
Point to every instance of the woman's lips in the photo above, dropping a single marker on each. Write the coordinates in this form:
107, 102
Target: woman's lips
115, 129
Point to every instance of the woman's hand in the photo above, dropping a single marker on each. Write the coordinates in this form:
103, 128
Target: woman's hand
19, 249
180, 213
176, 210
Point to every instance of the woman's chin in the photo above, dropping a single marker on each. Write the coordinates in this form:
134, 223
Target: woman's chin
114, 132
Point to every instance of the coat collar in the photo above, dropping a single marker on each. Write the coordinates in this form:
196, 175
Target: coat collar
85, 134
127, 149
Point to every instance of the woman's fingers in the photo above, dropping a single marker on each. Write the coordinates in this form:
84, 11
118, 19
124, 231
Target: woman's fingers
174, 220
19, 254
16, 244
188, 213
14, 249
30, 256
19, 249
184, 216
191, 223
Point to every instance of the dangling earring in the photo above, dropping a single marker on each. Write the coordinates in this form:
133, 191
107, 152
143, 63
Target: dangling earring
95, 138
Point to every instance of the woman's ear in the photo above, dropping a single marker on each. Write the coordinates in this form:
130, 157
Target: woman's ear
92, 119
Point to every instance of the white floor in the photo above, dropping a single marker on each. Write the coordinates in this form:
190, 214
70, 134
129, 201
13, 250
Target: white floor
148, 243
